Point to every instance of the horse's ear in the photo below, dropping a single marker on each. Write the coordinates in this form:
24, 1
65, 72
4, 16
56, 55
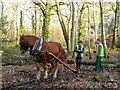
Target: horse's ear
21, 35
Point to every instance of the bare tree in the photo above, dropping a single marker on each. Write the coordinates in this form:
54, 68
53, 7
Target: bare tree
119, 20
35, 23
73, 23
1, 19
80, 22
62, 24
102, 30
95, 31
89, 31
46, 9
115, 25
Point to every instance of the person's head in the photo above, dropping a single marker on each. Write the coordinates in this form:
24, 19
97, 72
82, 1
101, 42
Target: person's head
80, 42
97, 41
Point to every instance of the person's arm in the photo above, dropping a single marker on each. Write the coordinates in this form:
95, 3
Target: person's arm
99, 49
75, 50
82, 51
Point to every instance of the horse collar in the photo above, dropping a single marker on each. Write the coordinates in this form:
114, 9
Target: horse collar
37, 46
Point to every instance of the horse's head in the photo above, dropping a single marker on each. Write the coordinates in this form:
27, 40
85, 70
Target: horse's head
23, 44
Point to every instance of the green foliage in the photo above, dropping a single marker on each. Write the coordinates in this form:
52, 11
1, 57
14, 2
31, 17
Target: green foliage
0, 40
117, 42
82, 22
21, 22
4, 25
9, 58
92, 45
18, 62
46, 24
117, 45
81, 31
99, 78
8, 43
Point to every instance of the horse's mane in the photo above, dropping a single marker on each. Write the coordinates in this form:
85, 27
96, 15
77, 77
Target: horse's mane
29, 36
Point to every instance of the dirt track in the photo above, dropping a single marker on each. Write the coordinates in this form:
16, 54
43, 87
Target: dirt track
24, 78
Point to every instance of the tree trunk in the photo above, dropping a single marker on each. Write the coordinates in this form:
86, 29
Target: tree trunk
76, 22
1, 25
46, 21
119, 20
17, 33
115, 26
72, 29
40, 24
46, 9
95, 31
35, 23
62, 24
89, 32
80, 23
21, 22
102, 30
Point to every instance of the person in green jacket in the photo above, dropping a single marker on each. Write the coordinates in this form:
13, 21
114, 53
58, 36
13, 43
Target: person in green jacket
99, 55
78, 51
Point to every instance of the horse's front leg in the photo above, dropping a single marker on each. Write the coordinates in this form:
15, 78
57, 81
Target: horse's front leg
38, 75
56, 70
45, 70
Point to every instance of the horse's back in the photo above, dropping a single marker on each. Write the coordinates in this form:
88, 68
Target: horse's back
56, 47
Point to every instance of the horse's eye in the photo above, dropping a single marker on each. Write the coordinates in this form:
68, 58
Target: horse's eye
22, 44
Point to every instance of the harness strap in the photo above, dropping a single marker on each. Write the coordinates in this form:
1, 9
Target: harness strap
45, 49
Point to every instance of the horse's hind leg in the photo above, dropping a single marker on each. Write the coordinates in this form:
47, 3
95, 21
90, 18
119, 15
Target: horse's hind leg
38, 70
52, 70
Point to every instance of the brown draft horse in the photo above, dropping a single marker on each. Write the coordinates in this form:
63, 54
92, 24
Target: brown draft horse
27, 42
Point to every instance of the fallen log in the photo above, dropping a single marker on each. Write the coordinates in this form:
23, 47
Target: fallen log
92, 62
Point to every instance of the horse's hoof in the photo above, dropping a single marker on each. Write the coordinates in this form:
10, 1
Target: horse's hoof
38, 78
53, 79
45, 77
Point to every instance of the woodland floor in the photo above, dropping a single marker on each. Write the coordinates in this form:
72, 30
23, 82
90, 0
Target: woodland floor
23, 77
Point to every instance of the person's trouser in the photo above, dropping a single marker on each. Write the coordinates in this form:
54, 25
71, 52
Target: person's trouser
98, 64
78, 62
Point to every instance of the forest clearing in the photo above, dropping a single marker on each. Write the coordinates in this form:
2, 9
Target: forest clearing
19, 73
59, 44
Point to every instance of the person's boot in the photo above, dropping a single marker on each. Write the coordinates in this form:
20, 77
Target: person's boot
79, 70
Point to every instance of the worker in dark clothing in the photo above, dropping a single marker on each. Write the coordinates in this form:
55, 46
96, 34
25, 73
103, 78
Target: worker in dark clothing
79, 50
99, 55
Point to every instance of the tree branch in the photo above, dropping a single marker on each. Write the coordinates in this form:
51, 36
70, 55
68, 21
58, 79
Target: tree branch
60, 3
40, 5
